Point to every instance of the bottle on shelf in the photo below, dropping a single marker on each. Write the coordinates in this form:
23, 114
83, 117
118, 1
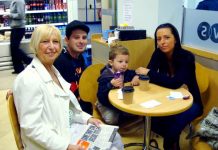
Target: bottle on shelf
28, 19
34, 15
42, 5
62, 30
30, 3
34, 5
28, 32
6, 22
46, 18
27, 5
37, 17
59, 17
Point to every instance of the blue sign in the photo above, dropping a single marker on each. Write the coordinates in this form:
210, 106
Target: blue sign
214, 33
205, 31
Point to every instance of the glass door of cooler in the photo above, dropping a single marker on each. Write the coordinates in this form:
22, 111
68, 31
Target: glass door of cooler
109, 14
45, 12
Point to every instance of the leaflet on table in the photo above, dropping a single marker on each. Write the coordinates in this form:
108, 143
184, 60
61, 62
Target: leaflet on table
150, 104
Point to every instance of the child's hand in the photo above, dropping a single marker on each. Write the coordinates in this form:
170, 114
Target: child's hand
135, 80
142, 70
118, 83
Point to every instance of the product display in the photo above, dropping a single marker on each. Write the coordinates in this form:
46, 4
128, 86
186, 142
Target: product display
39, 12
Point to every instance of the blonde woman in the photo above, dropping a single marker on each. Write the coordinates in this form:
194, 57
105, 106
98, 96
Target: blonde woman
46, 108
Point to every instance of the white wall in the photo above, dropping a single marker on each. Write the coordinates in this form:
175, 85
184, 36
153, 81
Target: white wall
72, 10
148, 14
108, 13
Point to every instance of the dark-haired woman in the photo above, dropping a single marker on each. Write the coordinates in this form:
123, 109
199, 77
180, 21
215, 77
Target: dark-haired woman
171, 66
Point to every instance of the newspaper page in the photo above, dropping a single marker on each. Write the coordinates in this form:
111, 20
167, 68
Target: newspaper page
91, 137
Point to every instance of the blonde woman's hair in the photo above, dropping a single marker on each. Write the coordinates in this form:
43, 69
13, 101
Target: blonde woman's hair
43, 32
117, 49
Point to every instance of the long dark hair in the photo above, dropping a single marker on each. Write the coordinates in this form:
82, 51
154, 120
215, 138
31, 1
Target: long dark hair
174, 32
161, 57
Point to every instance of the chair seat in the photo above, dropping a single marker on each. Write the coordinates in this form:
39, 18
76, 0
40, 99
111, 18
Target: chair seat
203, 83
198, 144
14, 122
88, 86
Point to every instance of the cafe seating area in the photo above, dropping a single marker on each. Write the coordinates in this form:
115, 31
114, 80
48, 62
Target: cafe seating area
133, 134
142, 50
206, 78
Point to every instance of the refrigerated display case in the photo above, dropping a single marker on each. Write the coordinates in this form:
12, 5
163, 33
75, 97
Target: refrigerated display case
38, 12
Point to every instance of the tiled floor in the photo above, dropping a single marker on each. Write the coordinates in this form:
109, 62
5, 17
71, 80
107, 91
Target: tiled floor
6, 79
6, 136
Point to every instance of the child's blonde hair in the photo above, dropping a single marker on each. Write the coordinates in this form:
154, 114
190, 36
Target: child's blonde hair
117, 49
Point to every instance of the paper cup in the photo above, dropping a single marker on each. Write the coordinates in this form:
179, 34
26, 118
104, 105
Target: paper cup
144, 82
127, 94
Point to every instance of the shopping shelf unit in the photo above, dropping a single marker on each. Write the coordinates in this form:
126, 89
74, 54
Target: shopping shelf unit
54, 17
37, 12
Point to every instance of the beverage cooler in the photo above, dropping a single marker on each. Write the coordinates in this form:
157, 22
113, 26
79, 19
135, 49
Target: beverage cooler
45, 12
55, 12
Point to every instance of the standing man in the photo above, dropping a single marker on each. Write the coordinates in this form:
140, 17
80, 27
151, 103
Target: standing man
71, 62
17, 18
98, 6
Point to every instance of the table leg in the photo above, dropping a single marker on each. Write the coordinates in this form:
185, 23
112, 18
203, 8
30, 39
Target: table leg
147, 132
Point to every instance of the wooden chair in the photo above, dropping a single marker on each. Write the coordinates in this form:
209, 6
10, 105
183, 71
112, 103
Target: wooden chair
88, 86
203, 84
14, 122
202, 77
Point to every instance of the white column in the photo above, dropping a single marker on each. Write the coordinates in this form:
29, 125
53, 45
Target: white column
72, 10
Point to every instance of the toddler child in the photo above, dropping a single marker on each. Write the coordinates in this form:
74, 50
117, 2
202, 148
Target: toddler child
114, 75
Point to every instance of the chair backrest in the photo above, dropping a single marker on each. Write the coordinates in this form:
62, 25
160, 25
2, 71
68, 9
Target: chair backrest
14, 122
202, 77
88, 84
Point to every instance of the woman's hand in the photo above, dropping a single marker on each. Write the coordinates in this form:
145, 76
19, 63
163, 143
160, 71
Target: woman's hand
135, 80
95, 121
75, 147
184, 86
142, 70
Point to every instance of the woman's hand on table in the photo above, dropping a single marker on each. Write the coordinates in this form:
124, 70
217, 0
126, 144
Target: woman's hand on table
184, 86
142, 70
